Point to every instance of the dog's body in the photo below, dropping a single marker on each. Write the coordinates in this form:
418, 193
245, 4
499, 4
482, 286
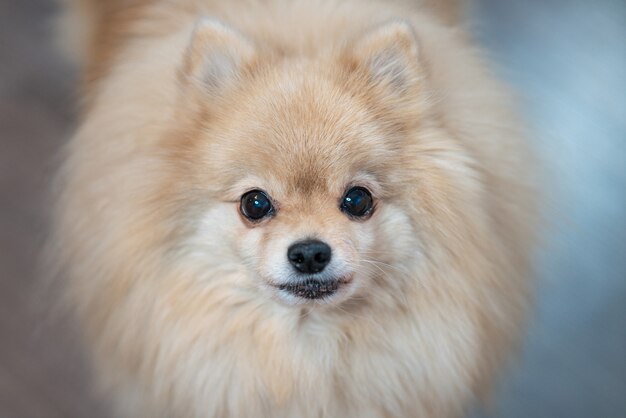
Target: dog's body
184, 296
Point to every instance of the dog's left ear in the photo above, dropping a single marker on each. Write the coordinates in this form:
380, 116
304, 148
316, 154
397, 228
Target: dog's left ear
389, 57
216, 56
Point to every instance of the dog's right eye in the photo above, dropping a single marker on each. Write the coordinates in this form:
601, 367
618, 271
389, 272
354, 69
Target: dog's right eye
256, 205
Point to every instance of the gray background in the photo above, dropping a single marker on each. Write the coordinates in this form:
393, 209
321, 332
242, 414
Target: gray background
567, 61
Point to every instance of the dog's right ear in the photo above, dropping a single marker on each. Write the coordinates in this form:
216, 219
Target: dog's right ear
216, 56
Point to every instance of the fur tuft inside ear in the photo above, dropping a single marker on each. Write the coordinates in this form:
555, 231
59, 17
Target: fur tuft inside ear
389, 55
216, 55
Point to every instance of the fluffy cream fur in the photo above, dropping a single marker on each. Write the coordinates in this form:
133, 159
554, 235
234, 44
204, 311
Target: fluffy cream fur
188, 104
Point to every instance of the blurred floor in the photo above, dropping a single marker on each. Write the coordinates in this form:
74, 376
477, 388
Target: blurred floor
567, 59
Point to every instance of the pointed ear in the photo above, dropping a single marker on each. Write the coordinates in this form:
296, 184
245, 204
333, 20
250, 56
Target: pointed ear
216, 55
389, 56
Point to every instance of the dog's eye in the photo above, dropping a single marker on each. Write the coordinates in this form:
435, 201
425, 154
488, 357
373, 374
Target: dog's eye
357, 202
256, 205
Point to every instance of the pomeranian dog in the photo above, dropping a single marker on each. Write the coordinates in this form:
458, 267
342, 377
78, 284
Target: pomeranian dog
305, 208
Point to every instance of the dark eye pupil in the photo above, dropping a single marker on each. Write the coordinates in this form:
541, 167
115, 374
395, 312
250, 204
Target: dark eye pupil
357, 202
255, 205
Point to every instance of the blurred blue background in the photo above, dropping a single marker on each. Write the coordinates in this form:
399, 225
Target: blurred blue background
567, 62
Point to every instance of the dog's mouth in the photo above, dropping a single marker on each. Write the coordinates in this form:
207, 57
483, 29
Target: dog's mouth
313, 288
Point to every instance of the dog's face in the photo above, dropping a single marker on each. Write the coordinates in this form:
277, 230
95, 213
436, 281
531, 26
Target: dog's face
307, 190
306, 160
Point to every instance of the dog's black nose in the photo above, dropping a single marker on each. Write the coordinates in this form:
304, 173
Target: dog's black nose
309, 256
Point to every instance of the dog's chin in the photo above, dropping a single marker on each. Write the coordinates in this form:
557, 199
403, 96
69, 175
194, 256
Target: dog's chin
314, 291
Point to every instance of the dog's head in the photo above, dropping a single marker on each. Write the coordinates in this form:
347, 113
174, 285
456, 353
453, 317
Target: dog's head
310, 160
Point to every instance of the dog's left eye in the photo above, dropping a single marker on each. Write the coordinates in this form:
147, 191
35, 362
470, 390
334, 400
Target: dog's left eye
357, 202
256, 205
